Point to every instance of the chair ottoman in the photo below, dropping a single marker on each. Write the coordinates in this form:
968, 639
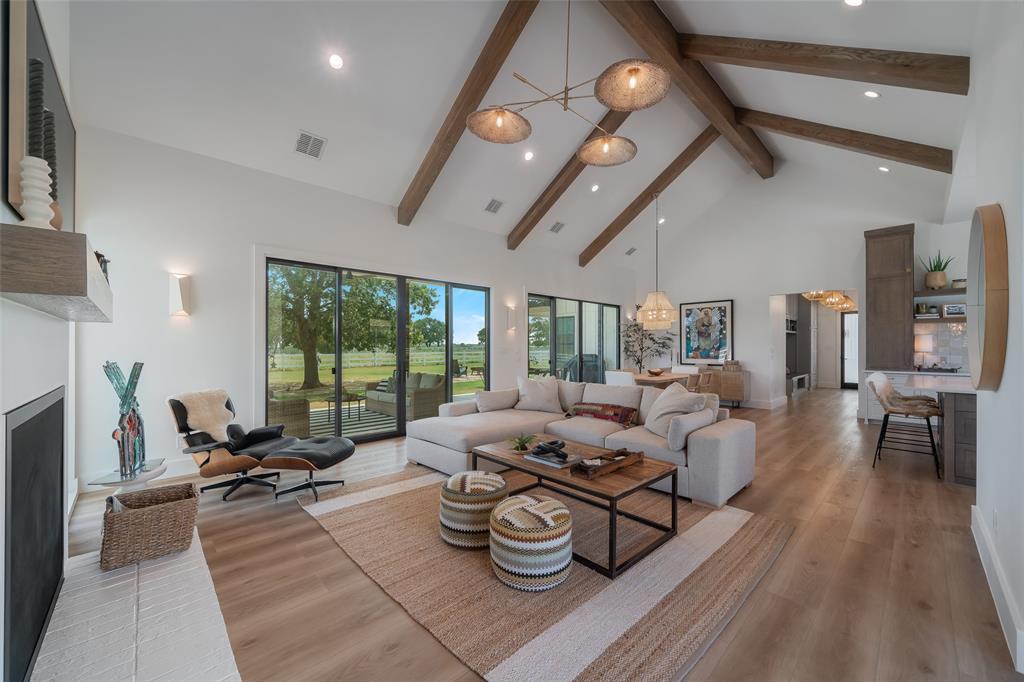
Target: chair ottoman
467, 499
531, 542
310, 455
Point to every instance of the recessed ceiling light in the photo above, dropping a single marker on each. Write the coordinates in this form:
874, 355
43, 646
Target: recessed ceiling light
854, 3
883, 169
528, 155
661, 221
871, 94
336, 61
594, 188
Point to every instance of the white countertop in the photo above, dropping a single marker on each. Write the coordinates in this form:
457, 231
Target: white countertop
941, 383
913, 372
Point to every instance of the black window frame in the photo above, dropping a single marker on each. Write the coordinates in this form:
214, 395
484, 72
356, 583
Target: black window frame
552, 336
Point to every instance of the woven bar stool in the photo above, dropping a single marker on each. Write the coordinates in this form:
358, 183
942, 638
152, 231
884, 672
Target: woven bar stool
916, 438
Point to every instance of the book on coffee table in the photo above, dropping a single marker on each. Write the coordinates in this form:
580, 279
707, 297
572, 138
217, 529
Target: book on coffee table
552, 460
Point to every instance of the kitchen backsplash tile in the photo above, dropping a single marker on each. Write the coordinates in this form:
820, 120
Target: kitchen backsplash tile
949, 342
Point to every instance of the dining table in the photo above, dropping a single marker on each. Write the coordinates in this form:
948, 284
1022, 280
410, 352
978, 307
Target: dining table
663, 380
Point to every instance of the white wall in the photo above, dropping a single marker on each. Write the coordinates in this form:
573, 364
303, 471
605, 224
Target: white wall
154, 210
799, 231
997, 89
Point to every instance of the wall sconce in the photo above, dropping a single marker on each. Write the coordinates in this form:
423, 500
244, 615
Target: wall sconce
181, 294
510, 318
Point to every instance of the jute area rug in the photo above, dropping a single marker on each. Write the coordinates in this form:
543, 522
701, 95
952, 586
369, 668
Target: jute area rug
653, 622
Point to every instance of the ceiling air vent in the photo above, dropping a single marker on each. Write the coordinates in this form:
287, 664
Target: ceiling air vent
493, 206
309, 144
631, 251
557, 227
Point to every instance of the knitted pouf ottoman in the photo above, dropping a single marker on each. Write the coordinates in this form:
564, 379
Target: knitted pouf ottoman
467, 499
531, 542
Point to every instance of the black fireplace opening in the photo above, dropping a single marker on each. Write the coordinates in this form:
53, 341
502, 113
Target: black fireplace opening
34, 549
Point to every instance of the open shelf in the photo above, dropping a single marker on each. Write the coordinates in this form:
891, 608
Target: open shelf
940, 293
942, 320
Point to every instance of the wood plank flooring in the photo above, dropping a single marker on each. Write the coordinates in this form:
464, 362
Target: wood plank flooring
880, 581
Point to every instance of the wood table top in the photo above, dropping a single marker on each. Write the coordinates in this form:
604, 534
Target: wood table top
662, 380
614, 485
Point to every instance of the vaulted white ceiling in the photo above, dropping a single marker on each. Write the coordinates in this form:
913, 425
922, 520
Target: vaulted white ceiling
237, 80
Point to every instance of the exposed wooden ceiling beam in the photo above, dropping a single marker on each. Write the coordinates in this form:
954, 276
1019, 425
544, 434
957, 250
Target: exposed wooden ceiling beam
656, 36
561, 182
660, 184
510, 25
913, 153
920, 70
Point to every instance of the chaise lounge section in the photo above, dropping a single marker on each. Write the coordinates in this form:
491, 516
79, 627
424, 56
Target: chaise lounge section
714, 453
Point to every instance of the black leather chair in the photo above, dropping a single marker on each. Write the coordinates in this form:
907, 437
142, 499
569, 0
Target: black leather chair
242, 451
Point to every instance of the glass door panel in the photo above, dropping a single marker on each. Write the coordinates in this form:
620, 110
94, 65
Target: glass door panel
469, 327
426, 386
851, 366
566, 337
301, 314
591, 362
370, 384
610, 331
539, 346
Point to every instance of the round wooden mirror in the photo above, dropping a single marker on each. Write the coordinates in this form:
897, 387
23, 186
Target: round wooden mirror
988, 297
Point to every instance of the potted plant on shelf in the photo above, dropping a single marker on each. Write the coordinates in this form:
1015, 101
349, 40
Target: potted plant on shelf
935, 271
641, 345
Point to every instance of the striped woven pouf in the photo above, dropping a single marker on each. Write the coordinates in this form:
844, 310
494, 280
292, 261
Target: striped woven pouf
467, 499
531, 542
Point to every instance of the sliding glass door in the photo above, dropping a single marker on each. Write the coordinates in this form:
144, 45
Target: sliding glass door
401, 347
572, 340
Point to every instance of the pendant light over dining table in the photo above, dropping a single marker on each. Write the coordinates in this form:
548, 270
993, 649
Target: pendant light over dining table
657, 313
627, 85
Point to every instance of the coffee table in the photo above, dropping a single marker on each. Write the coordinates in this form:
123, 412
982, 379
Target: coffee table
608, 490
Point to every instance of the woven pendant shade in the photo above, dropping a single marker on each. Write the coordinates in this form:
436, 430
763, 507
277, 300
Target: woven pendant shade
814, 295
607, 150
656, 312
632, 84
832, 299
499, 125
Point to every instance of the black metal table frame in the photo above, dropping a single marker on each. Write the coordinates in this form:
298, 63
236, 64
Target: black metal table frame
614, 568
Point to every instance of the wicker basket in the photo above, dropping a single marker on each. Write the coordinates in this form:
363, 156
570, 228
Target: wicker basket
153, 522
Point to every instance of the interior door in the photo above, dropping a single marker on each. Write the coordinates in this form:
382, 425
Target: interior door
850, 349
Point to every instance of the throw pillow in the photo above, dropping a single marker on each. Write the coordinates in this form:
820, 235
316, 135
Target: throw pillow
613, 413
682, 425
650, 394
541, 395
675, 400
489, 401
570, 393
430, 381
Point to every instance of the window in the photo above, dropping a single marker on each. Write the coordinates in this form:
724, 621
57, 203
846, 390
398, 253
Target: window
570, 339
360, 354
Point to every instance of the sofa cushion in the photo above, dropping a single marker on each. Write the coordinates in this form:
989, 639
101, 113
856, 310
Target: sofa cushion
627, 396
674, 401
413, 380
489, 401
682, 425
652, 445
613, 413
584, 430
647, 399
541, 396
570, 393
430, 380
468, 431
381, 396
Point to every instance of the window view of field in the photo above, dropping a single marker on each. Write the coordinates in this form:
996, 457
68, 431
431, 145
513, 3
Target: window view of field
301, 352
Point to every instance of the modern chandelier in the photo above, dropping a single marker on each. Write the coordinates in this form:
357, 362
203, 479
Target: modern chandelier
627, 85
657, 313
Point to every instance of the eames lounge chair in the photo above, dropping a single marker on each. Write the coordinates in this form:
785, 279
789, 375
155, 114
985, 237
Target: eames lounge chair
218, 447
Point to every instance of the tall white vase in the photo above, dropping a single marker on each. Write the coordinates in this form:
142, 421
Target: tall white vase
35, 192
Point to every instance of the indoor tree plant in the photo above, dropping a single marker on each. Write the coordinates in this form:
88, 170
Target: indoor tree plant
641, 345
935, 271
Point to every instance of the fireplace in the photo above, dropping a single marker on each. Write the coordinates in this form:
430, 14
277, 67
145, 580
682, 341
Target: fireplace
35, 528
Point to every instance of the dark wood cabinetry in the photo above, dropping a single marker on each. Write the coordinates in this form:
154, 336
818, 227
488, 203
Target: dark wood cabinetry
889, 298
959, 437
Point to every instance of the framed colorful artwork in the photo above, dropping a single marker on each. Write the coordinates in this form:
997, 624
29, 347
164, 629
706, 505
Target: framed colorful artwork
706, 332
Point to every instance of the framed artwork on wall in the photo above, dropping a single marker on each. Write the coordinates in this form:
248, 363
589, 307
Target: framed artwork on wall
706, 328
37, 121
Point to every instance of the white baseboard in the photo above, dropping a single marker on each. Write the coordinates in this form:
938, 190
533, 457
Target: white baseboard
780, 401
1006, 606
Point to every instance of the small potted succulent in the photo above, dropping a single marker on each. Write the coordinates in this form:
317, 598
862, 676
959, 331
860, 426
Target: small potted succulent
935, 271
521, 443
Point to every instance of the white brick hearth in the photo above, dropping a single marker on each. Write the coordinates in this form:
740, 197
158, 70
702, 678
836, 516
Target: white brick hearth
156, 620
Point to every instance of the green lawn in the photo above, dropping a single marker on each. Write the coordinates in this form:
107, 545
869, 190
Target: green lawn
285, 382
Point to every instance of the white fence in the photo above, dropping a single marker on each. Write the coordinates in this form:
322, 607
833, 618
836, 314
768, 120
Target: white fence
417, 356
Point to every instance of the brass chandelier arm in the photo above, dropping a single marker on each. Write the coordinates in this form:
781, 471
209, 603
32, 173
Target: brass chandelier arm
535, 102
567, 108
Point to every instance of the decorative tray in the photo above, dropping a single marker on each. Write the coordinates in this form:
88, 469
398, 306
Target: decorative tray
606, 463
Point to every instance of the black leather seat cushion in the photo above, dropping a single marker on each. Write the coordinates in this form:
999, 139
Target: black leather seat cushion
267, 447
321, 451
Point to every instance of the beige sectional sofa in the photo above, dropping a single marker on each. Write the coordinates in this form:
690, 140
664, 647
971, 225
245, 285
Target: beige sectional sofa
714, 453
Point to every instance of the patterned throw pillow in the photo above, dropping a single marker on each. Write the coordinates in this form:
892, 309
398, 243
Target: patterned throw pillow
613, 413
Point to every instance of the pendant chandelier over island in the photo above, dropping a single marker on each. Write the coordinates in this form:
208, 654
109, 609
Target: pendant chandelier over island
627, 85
